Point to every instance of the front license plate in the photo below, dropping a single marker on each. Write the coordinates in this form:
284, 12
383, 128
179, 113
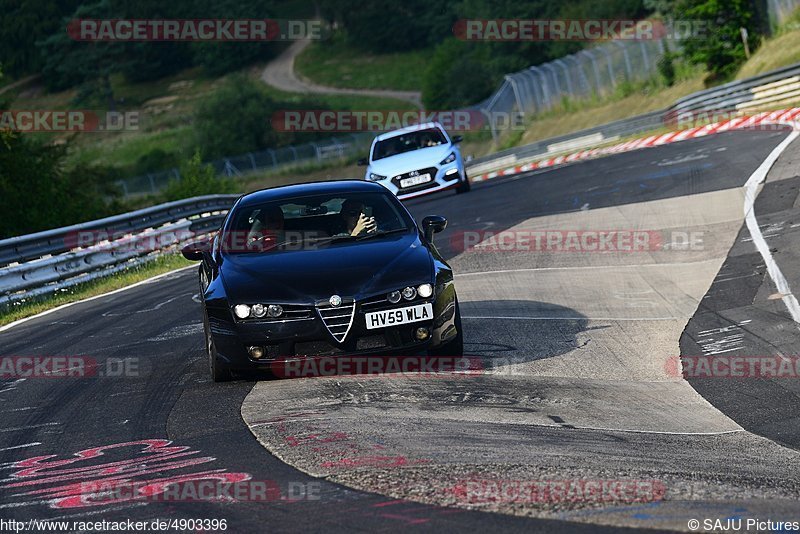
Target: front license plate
411, 314
415, 180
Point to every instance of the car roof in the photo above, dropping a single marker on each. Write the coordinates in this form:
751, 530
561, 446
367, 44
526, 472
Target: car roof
287, 192
412, 128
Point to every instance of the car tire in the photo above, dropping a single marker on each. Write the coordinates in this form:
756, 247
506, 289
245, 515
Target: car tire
219, 373
454, 347
465, 186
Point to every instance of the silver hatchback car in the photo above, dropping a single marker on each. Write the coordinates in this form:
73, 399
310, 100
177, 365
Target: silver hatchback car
417, 160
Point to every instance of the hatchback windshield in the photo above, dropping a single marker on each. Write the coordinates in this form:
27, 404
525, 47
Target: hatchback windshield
314, 221
407, 142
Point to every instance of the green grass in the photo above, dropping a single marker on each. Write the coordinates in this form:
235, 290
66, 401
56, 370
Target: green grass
336, 63
341, 102
578, 115
781, 50
158, 266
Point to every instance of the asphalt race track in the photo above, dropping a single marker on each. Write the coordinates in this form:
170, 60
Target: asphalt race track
578, 374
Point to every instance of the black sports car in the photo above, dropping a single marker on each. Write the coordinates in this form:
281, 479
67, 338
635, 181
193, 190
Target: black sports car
329, 268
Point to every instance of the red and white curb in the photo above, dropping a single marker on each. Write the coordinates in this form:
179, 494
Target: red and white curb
773, 117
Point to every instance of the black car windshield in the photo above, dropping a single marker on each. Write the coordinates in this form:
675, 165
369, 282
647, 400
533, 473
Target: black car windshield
407, 142
308, 222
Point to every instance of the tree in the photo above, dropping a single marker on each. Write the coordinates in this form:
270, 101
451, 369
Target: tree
22, 24
234, 119
38, 193
71, 63
720, 50
382, 27
456, 76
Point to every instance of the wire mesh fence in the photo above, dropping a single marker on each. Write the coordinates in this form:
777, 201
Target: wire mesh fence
337, 148
592, 72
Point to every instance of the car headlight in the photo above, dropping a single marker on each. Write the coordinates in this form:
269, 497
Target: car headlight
425, 290
449, 159
409, 293
394, 297
375, 177
259, 311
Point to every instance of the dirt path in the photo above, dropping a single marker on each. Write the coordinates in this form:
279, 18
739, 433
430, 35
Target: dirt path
23, 81
279, 73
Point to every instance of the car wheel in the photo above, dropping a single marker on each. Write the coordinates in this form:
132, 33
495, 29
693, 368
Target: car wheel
454, 347
219, 373
465, 186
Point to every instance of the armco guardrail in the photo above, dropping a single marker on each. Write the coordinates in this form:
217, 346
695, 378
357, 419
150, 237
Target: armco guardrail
47, 261
50, 242
742, 94
598, 135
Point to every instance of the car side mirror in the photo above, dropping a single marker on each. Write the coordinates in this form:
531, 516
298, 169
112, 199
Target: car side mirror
194, 251
433, 224
457, 139
362, 162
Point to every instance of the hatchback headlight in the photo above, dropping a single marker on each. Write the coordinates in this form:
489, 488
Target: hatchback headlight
449, 159
375, 177
242, 311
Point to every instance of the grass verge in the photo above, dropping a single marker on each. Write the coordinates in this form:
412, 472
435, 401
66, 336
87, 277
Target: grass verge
336, 63
160, 265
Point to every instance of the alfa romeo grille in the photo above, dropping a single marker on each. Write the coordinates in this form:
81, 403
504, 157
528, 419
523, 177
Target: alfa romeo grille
338, 320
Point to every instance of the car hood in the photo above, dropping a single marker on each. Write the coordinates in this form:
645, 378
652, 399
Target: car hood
410, 161
355, 269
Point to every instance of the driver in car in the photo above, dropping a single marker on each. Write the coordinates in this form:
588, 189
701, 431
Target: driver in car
267, 228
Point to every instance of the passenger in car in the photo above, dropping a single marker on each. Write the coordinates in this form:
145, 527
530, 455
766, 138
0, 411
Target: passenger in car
353, 220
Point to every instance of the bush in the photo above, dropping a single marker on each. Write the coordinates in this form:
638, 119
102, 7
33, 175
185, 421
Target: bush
196, 180
666, 67
234, 119
156, 159
455, 78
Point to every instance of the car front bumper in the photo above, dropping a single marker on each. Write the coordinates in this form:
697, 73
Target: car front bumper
303, 338
447, 176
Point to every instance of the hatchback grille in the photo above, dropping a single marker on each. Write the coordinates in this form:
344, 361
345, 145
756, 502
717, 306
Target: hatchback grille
338, 320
